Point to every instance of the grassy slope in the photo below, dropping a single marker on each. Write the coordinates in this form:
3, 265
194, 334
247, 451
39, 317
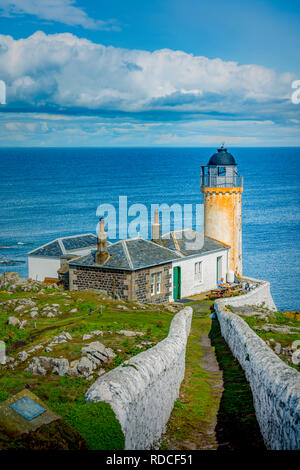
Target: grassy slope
65, 395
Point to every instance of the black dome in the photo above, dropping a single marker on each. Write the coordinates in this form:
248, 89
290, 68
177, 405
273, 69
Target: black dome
222, 157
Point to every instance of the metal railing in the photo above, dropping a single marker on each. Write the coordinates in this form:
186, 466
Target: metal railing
213, 181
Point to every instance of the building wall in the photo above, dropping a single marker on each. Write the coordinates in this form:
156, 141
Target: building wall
39, 268
142, 396
114, 282
223, 221
141, 283
125, 284
189, 286
275, 385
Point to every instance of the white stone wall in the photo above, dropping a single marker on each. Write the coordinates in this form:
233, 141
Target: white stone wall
39, 268
259, 296
189, 286
142, 393
275, 386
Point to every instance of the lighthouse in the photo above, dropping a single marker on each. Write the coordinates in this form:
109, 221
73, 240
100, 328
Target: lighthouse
222, 189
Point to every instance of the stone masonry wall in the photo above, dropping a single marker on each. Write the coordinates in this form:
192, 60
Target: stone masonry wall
141, 281
114, 282
275, 386
125, 284
142, 394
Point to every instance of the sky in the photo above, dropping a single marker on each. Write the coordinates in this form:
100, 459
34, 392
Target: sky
149, 73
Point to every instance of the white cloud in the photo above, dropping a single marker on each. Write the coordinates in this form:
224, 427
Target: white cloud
63, 11
62, 71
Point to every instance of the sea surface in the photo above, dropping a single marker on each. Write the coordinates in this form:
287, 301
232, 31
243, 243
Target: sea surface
47, 193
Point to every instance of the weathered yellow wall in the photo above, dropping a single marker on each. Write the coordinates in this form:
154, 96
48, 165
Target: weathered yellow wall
223, 220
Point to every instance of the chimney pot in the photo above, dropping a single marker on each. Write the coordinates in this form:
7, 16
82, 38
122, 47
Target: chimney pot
156, 230
102, 251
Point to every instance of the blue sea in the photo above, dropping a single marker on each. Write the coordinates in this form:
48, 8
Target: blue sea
52, 192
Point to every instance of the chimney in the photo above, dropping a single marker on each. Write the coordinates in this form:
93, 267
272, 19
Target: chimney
102, 253
155, 229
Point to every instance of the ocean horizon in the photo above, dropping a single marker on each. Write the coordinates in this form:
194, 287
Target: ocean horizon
53, 192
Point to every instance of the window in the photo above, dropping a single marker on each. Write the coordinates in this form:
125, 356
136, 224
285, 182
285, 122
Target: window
155, 283
152, 284
221, 171
158, 279
198, 272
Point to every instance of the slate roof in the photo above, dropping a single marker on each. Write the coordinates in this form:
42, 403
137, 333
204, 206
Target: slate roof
65, 245
189, 242
52, 249
130, 255
137, 253
79, 242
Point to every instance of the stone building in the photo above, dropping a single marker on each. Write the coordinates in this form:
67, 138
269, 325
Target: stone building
175, 265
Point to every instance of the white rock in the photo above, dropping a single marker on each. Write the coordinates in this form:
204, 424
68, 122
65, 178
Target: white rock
19, 308
97, 333
99, 351
277, 348
85, 366
22, 324
74, 310
130, 333
23, 356
60, 366
86, 337
14, 321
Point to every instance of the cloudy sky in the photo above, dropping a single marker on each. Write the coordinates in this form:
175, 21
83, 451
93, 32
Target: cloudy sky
142, 73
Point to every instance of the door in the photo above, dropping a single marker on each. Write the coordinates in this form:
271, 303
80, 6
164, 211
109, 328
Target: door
176, 283
219, 268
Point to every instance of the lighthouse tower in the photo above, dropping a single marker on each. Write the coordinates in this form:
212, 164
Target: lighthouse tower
222, 189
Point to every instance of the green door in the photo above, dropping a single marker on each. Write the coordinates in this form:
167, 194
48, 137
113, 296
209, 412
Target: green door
176, 283
219, 268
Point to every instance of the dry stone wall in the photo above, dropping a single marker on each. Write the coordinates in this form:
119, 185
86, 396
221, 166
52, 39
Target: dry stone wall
143, 390
275, 386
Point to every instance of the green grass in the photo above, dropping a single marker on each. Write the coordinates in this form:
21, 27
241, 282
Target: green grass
197, 402
237, 425
200, 402
95, 422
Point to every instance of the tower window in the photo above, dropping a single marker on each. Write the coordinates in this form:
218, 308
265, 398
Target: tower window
221, 171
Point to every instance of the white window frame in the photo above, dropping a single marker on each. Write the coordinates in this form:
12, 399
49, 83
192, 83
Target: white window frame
158, 283
152, 285
198, 272
155, 284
